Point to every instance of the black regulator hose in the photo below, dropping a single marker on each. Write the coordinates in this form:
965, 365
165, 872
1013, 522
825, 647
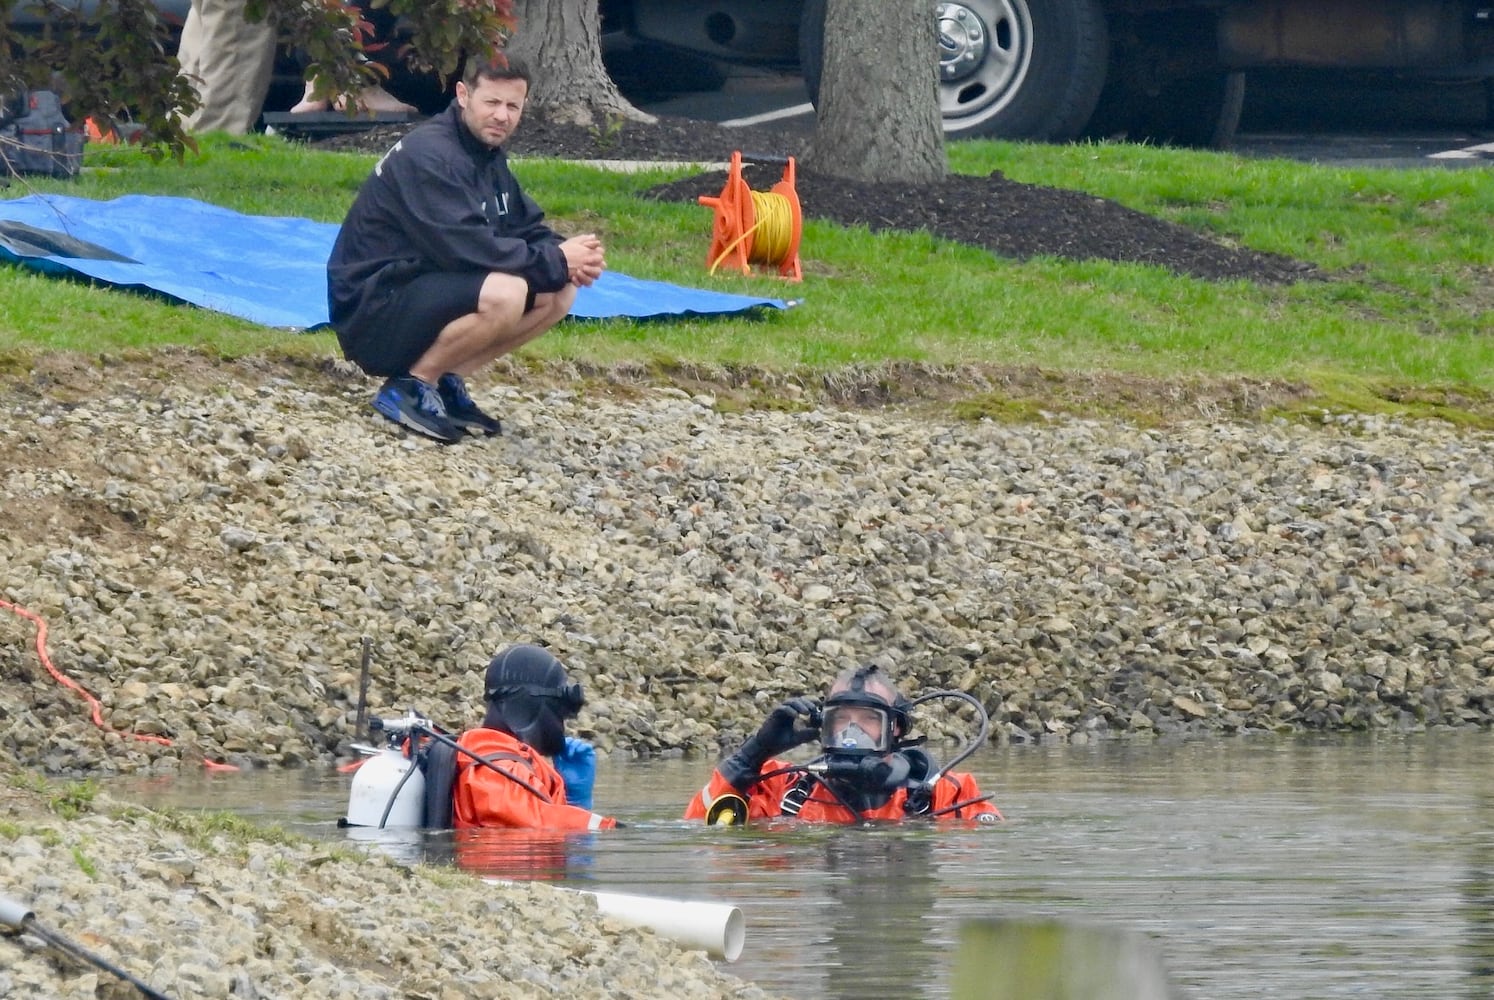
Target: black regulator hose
847, 806
814, 769
980, 737
442, 737
394, 795
416, 726
17, 917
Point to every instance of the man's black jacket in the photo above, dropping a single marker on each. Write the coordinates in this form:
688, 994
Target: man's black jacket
439, 200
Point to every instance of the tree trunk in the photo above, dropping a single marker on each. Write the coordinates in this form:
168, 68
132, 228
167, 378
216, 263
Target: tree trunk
879, 94
560, 43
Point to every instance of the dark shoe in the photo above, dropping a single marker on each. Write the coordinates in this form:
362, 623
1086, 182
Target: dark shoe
460, 409
411, 403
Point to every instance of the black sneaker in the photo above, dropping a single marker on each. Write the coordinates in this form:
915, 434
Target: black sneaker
412, 403
460, 409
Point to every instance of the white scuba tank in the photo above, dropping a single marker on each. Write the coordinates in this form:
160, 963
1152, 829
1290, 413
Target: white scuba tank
374, 785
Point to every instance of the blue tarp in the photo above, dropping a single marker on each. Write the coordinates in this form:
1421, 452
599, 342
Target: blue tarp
266, 269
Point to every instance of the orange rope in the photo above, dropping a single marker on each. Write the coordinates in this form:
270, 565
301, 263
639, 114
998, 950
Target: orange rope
95, 705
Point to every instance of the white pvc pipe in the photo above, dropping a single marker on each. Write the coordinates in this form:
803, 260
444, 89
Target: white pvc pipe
719, 929
716, 928
13, 914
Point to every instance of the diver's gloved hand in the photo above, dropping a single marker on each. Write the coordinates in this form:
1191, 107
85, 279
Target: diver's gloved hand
920, 800
577, 765
779, 732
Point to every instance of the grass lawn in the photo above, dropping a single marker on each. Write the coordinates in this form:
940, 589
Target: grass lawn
1405, 324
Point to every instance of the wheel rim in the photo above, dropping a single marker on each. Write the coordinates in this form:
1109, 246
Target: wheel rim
985, 48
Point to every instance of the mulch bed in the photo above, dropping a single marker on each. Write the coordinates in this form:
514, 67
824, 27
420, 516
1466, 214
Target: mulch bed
1010, 219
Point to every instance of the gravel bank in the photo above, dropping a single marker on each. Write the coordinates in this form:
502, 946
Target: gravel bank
209, 546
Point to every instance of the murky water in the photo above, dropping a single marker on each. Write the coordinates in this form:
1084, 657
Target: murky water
1260, 867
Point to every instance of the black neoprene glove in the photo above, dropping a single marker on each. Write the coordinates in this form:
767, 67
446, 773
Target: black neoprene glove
779, 732
920, 800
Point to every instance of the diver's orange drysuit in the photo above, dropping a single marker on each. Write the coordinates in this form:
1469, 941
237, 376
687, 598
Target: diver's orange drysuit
536, 801
765, 799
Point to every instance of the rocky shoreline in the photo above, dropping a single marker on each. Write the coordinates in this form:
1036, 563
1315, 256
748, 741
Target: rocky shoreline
209, 545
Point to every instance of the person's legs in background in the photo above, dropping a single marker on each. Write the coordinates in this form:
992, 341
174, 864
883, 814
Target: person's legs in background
385, 44
228, 62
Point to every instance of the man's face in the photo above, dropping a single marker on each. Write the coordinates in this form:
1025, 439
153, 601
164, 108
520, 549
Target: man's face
843, 721
491, 110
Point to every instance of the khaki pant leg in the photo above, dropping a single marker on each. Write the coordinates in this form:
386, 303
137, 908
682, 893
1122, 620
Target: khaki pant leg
229, 61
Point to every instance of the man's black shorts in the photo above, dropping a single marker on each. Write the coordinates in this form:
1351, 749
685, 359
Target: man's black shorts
403, 326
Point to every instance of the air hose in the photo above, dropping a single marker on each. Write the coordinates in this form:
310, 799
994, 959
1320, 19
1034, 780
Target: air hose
769, 239
980, 736
18, 918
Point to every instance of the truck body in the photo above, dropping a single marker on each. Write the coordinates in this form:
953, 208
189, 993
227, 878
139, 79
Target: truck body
1167, 71
1162, 70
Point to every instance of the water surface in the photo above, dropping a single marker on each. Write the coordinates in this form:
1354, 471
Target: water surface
1257, 867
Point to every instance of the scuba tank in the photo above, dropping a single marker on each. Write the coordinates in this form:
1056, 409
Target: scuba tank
388, 790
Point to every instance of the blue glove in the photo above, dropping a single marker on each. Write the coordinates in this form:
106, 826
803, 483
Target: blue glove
577, 765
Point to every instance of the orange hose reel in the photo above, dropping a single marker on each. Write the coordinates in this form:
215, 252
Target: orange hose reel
735, 232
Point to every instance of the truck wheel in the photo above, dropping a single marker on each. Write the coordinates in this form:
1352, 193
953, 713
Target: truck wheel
1166, 85
1199, 111
1008, 69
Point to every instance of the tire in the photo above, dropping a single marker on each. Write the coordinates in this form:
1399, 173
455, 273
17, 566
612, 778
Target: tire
1008, 69
1166, 86
1195, 111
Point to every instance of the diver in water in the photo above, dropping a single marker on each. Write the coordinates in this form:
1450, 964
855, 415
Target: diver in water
528, 699
869, 767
